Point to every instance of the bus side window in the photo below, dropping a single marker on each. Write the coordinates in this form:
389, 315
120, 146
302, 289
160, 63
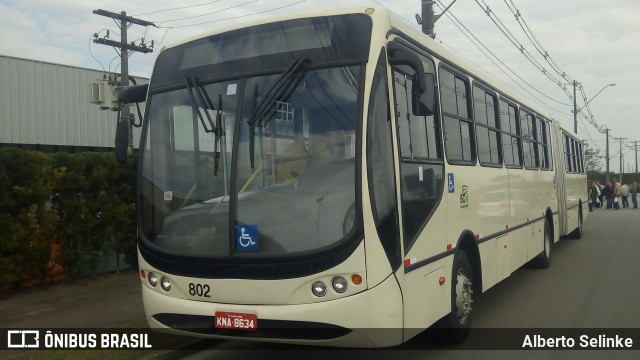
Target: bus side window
529, 141
511, 142
487, 129
458, 126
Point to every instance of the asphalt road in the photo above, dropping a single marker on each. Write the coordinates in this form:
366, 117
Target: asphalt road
592, 283
106, 301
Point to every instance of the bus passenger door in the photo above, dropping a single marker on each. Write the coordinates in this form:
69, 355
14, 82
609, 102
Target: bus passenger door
421, 186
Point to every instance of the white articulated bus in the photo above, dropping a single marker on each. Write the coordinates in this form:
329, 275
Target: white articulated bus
339, 178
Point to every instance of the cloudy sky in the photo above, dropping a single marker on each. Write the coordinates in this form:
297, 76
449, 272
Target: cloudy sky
591, 41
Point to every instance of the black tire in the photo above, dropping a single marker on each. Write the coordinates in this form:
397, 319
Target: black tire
577, 233
455, 326
543, 260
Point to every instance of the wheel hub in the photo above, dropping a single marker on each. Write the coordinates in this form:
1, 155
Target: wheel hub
464, 299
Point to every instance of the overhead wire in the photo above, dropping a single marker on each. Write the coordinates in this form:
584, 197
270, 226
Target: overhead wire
93, 56
593, 142
456, 22
234, 17
178, 8
400, 16
207, 14
534, 40
542, 51
587, 116
509, 35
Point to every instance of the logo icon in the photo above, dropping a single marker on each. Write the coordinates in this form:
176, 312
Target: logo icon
23, 339
464, 197
247, 237
450, 181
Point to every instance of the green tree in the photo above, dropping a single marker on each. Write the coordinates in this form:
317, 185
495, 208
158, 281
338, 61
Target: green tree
81, 198
80, 204
592, 159
28, 221
120, 213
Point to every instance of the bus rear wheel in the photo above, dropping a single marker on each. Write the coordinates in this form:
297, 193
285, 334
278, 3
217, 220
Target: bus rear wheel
543, 260
577, 233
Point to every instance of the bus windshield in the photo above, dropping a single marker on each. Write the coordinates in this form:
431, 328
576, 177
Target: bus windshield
217, 181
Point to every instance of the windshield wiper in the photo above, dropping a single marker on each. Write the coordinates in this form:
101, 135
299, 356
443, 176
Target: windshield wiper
206, 104
278, 89
204, 98
216, 154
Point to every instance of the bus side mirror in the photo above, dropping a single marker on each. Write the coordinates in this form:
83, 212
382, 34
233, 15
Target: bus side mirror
127, 95
423, 103
400, 55
423, 85
122, 141
133, 94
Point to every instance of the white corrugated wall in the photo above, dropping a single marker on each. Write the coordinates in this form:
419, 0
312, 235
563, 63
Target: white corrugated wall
47, 104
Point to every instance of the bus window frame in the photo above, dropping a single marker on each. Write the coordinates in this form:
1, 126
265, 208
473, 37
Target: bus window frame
466, 78
518, 133
496, 113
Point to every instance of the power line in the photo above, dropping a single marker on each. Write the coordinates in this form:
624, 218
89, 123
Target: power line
398, 15
541, 50
505, 31
590, 137
207, 14
90, 53
468, 33
178, 8
534, 41
234, 17
538, 46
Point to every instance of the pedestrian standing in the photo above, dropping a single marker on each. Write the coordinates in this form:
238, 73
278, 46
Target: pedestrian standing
607, 193
633, 188
616, 194
624, 192
593, 196
600, 194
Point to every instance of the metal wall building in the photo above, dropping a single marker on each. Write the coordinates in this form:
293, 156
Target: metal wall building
45, 106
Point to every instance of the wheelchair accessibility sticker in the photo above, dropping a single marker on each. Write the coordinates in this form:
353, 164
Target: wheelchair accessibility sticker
247, 237
451, 183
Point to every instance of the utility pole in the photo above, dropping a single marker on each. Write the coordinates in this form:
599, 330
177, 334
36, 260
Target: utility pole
607, 152
429, 18
575, 108
636, 148
621, 169
124, 47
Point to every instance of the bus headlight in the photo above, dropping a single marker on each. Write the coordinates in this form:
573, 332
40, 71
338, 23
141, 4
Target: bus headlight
153, 279
319, 289
339, 284
165, 283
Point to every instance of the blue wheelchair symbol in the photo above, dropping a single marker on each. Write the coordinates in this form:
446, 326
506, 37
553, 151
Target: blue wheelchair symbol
247, 237
450, 181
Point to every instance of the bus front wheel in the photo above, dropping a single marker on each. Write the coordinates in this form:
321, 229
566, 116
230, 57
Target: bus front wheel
456, 325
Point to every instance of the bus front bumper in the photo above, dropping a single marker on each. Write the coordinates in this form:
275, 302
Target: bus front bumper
372, 318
